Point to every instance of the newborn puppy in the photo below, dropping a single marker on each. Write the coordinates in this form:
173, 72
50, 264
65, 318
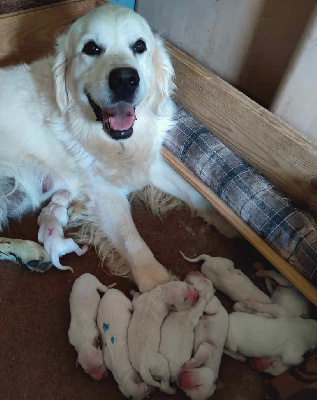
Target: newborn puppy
287, 301
177, 333
287, 338
210, 337
144, 333
229, 280
270, 365
51, 222
83, 333
113, 319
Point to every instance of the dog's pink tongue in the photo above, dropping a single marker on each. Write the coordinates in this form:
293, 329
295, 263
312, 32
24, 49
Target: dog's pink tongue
121, 117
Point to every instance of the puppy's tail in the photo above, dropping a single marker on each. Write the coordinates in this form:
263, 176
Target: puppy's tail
147, 377
202, 257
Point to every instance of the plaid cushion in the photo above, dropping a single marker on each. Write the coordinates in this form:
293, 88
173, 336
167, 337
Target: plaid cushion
291, 232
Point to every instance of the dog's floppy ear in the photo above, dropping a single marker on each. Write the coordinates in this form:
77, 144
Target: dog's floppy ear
163, 73
59, 70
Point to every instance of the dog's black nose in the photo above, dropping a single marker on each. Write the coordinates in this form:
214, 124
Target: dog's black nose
123, 82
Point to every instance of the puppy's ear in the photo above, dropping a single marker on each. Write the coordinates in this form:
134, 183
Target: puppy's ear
163, 73
59, 70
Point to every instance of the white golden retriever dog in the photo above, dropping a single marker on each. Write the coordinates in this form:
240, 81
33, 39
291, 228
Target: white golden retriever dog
91, 120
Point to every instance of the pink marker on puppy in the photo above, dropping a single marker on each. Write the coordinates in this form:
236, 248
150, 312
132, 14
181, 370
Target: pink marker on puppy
198, 377
114, 315
83, 333
144, 333
51, 222
177, 332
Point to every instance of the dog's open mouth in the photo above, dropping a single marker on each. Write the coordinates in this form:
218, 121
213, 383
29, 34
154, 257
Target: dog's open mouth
117, 120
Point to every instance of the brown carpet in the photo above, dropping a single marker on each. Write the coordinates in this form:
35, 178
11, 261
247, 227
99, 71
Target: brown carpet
37, 362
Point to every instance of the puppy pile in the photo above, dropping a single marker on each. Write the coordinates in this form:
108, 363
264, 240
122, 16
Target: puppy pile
178, 331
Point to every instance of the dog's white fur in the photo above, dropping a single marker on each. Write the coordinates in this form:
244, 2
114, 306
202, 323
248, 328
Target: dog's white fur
144, 333
51, 222
210, 337
229, 280
114, 314
50, 138
83, 333
287, 301
255, 336
177, 332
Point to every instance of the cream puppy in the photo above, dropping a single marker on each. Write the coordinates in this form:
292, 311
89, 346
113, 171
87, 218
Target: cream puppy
51, 222
287, 338
233, 282
287, 301
144, 333
83, 333
177, 333
210, 337
113, 319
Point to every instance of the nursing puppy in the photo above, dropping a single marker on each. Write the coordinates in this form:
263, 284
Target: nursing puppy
287, 338
287, 301
144, 334
114, 314
51, 222
225, 278
198, 377
95, 115
83, 333
177, 332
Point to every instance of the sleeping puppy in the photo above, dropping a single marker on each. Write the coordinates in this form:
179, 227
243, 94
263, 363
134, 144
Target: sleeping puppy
95, 115
225, 278
83, 333
287, 338
177, 332
198, 377
51, 222
114, 314
144, 334
287, 301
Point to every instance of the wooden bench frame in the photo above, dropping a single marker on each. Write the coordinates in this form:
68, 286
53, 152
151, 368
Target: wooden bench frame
274, 148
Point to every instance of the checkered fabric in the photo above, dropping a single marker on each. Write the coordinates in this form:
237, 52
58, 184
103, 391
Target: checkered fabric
291, 232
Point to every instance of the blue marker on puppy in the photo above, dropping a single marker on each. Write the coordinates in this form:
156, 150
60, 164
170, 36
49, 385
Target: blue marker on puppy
112, 339
105, 327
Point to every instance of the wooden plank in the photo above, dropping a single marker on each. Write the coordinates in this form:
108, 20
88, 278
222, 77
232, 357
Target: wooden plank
274, 148
28, 35
298, 280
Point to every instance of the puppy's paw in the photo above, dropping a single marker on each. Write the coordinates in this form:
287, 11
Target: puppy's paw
251, 304
25, 253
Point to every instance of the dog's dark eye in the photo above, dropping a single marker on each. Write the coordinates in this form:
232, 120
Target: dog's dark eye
92, 49
139, 47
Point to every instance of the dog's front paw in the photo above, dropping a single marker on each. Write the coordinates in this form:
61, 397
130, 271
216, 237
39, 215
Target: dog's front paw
150, 276
26, 253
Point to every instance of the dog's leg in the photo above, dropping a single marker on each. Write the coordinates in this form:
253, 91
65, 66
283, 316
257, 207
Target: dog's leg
112, 215
22, 252
26, 253
274, 310
168, 180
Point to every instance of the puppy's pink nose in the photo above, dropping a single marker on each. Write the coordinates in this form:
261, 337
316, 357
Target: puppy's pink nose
99, 375
195, 273
194, 296
184, 380
260, 363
